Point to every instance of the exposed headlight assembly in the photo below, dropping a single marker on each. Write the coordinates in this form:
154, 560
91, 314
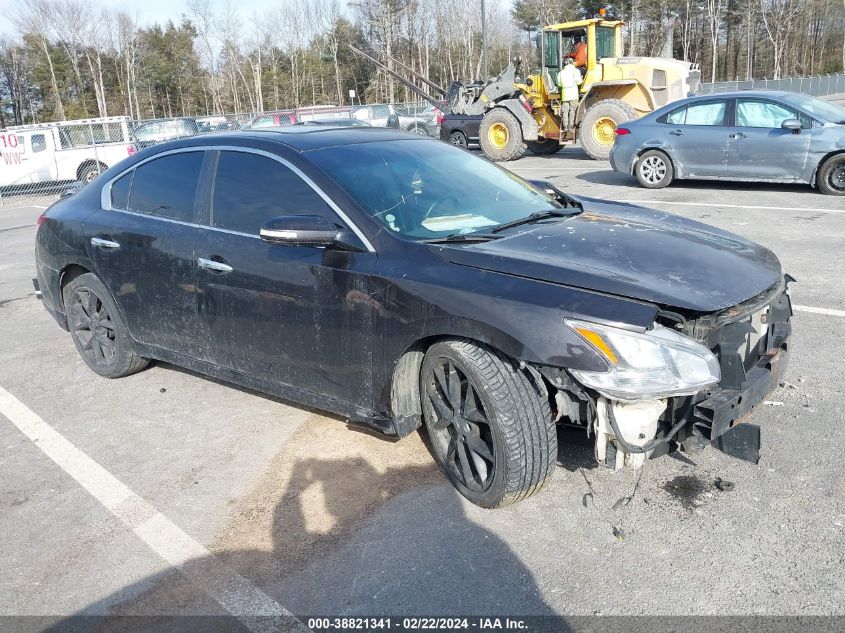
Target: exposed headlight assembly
655, 364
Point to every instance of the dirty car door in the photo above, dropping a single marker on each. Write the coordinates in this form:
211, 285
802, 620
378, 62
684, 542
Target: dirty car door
293, 315
760, 148
142, 245
696, 137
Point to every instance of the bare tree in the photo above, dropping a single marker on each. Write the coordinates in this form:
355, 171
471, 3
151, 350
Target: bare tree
33, 17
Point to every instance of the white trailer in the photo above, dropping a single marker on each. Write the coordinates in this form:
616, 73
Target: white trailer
64, 151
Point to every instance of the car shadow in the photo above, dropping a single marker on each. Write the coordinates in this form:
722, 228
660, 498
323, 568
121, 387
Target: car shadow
611, 177
329, 530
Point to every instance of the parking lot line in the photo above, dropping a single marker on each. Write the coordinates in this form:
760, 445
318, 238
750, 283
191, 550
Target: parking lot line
732, 206
814, 310
232, 591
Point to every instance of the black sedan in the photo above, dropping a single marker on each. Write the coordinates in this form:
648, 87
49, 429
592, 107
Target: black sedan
403, 282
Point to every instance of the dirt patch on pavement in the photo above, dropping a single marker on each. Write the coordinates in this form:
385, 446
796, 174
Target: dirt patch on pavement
325, 482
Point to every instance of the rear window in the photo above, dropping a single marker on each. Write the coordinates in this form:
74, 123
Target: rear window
708, 113
166, 187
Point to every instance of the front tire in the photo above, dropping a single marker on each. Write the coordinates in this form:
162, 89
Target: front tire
490, 426
97, 329
831, 176
654, 170
546, 147
500, 136
598, 127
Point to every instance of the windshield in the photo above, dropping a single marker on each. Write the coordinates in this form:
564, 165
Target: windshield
427, 190
822, 109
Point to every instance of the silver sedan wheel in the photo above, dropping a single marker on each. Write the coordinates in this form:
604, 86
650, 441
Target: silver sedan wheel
653, 169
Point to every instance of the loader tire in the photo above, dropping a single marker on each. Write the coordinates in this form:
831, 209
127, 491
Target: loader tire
598, 127
500, 136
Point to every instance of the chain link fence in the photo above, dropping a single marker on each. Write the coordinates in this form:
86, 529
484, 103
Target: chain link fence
41, 161
815, 85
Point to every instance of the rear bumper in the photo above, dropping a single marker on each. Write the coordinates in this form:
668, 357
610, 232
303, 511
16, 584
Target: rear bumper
47, 288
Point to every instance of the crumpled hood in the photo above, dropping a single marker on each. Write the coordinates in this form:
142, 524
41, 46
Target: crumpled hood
630, 251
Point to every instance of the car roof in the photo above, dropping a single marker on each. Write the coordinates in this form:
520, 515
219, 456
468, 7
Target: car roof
301, 138
745, 93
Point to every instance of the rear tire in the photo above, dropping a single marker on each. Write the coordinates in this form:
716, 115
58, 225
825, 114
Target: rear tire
500, 136
490, 426
458, 138
654, 170
97, 329
89, 172
831, 176
598, 127
543, 148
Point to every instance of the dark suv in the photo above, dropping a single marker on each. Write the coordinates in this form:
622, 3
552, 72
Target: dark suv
398, 281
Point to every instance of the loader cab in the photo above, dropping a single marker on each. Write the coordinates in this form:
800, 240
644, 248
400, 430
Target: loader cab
602, 37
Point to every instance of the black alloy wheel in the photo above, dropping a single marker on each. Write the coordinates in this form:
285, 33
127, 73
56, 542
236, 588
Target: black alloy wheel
92, 326
97, 329
461, 431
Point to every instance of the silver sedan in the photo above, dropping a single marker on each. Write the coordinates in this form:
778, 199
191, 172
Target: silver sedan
747, 136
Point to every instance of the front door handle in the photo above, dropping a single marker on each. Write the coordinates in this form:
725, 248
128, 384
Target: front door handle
676, 133
738, 136
103, 243
214, 266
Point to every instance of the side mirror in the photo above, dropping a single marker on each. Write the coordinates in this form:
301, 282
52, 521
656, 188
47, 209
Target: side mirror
393, 121
792, 124
307, 230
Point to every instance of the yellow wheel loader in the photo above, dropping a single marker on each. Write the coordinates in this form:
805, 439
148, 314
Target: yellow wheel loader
524, 113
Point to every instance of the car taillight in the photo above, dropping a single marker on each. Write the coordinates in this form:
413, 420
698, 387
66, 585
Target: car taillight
622, 131
440, 118
41, 219
529, 108
131, 150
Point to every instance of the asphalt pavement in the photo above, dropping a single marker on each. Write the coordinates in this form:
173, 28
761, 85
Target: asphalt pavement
230, 499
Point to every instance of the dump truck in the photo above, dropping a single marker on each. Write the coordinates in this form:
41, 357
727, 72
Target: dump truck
522, 113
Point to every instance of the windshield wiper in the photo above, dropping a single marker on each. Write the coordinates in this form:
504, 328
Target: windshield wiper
535, 217
462, 237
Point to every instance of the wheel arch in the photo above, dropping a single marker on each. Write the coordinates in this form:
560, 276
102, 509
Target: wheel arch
660, 148
67, 274
405, 402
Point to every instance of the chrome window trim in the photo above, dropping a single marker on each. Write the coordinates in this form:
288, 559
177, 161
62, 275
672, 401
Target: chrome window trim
105, 192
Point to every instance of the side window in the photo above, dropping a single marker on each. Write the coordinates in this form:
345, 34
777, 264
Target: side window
39, 143
250, 189
263, 121
120, 191
677, 117
166, 187
750, 113
709, 113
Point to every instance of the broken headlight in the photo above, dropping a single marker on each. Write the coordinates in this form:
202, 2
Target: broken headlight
655, 364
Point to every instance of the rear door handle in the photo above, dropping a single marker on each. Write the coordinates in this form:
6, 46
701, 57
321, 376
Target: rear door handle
103, 243
217, 267
676, 133
737, 136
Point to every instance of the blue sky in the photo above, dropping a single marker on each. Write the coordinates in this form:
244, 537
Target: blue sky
149, 11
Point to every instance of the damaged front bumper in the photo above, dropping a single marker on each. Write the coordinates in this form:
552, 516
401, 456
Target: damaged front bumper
717, 419
751, 342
